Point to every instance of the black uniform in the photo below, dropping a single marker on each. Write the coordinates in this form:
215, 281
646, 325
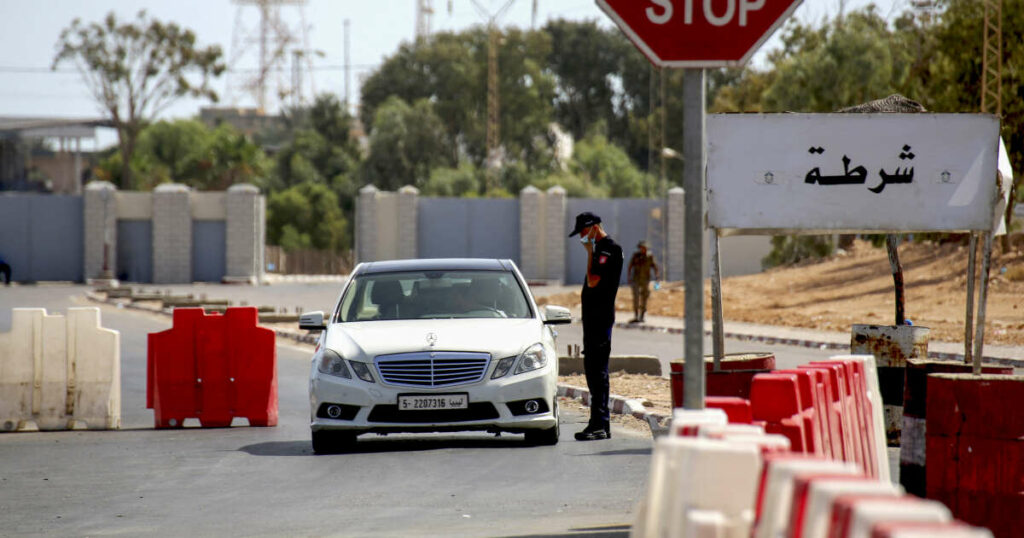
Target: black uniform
598, 317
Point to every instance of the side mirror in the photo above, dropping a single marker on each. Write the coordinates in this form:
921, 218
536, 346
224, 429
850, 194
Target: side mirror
312, 321
557, 315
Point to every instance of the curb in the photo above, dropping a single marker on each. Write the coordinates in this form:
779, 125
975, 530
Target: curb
619, 405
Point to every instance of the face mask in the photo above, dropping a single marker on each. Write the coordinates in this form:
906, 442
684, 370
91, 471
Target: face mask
585, 240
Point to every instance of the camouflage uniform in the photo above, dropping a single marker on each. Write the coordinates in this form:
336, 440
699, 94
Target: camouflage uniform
640, 267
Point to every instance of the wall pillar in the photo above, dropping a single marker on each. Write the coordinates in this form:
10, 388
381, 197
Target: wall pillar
675, 250
408, 225
172, 234
100, 229
366, 225
555, 234
531, 233
244, 233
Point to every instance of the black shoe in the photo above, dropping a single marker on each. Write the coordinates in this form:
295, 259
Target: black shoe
593, 435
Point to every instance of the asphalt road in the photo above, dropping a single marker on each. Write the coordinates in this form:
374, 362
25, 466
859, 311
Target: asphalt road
266, 481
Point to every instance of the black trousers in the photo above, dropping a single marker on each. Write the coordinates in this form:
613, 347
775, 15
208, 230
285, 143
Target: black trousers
597, 347
5, 270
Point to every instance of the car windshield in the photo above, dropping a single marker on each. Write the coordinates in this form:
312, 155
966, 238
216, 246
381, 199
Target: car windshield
433, 295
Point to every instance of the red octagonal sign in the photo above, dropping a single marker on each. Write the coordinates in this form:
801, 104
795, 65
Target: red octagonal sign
698, 33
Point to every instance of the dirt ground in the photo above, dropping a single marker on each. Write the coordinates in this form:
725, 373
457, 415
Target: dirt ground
856, 286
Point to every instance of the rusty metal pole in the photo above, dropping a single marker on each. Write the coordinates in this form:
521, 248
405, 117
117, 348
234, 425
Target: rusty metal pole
892, 242
969, 316
717, 331
979, 340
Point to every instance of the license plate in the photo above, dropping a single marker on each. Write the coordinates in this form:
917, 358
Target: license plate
432, 402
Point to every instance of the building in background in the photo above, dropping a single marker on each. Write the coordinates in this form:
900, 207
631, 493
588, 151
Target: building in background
45, 154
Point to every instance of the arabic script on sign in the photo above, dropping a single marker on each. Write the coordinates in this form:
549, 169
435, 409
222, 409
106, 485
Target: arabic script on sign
858, 175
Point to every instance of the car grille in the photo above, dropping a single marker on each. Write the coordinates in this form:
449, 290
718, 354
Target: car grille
432, 369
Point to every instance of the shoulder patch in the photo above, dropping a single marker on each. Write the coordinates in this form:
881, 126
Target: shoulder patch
602, 259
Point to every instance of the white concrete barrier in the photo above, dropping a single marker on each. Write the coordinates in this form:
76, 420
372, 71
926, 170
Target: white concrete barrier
906, 529
817, 513
687, 421
766, 443
59, 371
865, 513
692, 477
877, 417
719, 431
777, 499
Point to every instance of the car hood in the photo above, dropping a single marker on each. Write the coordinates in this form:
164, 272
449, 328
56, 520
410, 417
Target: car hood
499, 337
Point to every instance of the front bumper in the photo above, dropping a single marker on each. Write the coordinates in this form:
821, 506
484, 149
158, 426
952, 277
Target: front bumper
494, 405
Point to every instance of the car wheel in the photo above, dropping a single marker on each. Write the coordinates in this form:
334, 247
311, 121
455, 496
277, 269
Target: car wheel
548, 436
332, 442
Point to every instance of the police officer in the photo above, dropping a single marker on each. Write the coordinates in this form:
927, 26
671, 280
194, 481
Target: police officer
604, 269
639, 275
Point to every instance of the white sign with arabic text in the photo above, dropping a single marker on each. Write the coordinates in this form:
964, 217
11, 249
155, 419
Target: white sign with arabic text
868, 173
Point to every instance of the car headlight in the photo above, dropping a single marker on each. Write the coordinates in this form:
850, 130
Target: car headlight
362, 370
532, 359
504, 365
332, 364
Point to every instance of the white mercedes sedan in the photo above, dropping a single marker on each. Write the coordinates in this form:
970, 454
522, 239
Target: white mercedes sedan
434, 345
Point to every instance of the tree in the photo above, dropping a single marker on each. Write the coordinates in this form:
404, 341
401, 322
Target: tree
846, 62
306, 216
135, 70
955, 74
406, 144
189, 152
450, 71
607, 166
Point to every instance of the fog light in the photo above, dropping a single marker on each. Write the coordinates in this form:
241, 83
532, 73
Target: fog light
333, 411
532, 406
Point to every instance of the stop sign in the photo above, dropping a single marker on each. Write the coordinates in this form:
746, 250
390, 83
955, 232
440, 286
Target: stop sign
698, 33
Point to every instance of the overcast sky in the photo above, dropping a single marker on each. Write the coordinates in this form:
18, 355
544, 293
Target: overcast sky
30, 29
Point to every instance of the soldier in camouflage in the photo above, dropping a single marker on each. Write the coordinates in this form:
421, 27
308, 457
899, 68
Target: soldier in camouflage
639, 274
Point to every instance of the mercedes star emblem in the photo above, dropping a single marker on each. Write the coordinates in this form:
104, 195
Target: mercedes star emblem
431, 339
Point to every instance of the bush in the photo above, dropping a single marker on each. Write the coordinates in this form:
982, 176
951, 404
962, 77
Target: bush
790, 249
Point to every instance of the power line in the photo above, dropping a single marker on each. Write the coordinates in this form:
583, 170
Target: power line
28, 70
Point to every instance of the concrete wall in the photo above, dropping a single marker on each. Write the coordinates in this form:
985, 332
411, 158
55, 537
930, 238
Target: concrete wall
35, 239
171, 235
451, 228
532, 231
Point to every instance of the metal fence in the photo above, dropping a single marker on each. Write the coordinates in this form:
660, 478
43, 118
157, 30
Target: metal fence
308, 261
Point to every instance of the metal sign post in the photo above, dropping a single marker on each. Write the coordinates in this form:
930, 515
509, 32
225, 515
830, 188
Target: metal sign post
693, 270
695, 37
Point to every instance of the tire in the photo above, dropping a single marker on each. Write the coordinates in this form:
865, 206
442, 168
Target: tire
332, 442
546, 437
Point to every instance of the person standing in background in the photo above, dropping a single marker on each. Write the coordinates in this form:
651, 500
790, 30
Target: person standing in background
639, 276
5, 271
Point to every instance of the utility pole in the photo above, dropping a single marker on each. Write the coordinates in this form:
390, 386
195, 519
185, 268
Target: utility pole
273, 39
424, 14
348, 68
493, 91
992, 103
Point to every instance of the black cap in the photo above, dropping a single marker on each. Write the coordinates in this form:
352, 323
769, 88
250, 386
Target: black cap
583, 220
